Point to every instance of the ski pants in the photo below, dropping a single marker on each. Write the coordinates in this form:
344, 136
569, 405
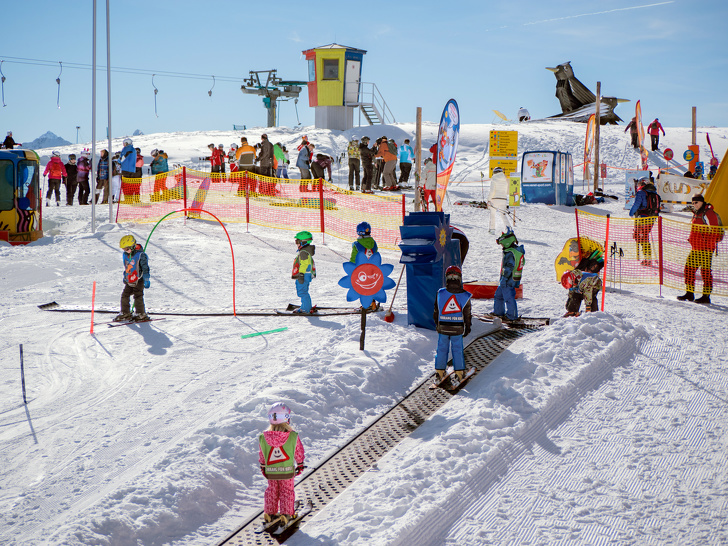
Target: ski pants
444, 342
655, 141
389, 176
702, 259
505, 297
404, 171
279, 495
70, 191
138, 292
430, 196
83, 191
302, 292
366, 183
353, 172
54, 186
497, 209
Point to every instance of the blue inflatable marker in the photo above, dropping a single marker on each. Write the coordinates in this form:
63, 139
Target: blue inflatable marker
264, 333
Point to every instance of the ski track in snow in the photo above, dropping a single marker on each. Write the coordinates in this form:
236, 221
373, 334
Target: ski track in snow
604, 429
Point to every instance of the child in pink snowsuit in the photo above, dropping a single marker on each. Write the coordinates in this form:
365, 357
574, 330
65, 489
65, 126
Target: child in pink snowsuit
281, 458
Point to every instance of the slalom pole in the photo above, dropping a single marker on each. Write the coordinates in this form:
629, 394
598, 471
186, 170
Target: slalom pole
389, 316
93, 302
22, 374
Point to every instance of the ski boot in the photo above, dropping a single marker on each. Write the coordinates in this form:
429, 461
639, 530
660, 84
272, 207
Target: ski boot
440, 374
141, 317
269, 517
687, 296
123, 317
705, 298
460, 374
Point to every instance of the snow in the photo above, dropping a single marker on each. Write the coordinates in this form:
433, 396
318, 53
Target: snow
607, 428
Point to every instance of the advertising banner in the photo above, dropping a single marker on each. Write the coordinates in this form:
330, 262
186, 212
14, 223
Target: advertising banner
447, 146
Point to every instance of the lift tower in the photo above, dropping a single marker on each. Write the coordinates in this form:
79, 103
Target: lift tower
271, 91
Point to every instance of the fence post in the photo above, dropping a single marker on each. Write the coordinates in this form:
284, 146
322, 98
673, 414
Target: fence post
604, 267
578, 239
247, 199
22, 373
659, 246
184, 187
403, 209
321, 208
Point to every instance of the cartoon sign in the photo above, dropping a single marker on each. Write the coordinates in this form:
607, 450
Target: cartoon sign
538, 167
367, 279
447, 146
633, 180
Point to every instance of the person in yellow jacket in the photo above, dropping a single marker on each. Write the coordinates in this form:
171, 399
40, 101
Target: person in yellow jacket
304, 270
245, 156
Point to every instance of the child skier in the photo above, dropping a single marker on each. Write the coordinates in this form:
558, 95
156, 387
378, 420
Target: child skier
583, 283
365, 243
453, 321
136, 279
304, 269
281, 457
510, 276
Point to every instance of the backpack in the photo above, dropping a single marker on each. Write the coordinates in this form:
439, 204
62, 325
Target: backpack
392, 148
653, 204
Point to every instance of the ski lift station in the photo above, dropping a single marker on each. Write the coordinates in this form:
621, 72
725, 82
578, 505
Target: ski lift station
335, 89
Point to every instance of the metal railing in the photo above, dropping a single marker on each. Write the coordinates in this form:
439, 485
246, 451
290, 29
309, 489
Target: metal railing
369, 95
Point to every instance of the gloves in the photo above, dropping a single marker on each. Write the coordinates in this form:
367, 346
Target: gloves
299, 469
467, 332
146, 283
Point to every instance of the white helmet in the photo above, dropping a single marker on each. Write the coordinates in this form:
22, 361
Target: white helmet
279, 413
221, 146
84, 153
155, 151
56, 153
127, 142
233, 146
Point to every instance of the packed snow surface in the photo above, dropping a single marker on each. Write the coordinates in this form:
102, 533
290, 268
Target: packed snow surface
609, 428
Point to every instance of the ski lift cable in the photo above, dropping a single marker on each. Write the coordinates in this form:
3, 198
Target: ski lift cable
2, 82
213, 86
155, 95
58, 81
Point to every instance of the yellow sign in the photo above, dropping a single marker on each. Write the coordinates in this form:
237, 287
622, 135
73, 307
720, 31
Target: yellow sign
514, 190
508, 165
504, 144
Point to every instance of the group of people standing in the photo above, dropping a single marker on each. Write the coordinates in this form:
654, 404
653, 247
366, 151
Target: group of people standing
653, 129
379, 164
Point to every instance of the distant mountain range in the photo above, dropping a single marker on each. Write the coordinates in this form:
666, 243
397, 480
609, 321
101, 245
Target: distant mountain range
47, 140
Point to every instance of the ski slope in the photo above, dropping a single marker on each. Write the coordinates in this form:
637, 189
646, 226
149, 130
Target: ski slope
607, 428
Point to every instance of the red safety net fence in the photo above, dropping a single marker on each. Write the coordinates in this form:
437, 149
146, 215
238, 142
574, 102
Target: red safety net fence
312, 205
660, 251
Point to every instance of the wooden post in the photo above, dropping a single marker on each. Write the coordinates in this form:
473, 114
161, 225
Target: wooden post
363, 328
597, 118
695, 124
418, 159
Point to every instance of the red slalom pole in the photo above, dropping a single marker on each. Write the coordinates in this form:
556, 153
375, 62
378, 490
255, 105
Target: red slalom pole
93, 302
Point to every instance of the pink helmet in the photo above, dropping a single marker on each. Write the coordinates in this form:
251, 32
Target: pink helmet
279, 413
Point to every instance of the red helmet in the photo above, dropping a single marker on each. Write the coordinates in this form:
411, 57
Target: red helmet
568, 279
453, 271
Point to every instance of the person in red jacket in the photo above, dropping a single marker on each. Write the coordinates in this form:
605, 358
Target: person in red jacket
216, 159
654, 129
703, 239
56, 171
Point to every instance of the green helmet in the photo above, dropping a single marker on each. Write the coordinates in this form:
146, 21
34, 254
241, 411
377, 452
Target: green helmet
507, 239
304, 236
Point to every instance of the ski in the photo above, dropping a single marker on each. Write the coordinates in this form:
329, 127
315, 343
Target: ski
130, 322
439, 383
268, 526
300, 514
320, 312
520, 321
457, 384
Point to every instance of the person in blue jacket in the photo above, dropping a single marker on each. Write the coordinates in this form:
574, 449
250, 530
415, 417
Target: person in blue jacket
406, 155
510, 276
303, 162
646, 209
136, 279
128, 160
453, 321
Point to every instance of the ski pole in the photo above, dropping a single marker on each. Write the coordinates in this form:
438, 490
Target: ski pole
389, 316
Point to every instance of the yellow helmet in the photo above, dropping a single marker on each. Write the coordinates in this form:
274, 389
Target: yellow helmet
127, 241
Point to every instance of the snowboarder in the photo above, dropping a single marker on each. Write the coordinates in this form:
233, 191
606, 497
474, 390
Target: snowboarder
510, 276
654, 129
583, 283
453, 321
304, 269
498, 199
136, 279
703, 239
281, 457
56, 171
646, 209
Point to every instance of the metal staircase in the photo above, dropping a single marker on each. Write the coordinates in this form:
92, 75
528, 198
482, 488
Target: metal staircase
372, 105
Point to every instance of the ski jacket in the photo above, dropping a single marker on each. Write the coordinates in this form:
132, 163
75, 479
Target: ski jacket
632, 127
9, 143
353, 150
641, 207
139, 162
703, 238
498, 187
71, 173
304, 158
430, 175
266, 153
136, 266
384, 152
589, 285
303, 263
523, 113
655, 127
324, 161
279, 453
128, 159
406, 153
245, 156
83, 167
280, 155
216, 157
433, 151
514, 258
366, 154
452, 313
365, 244
55, 170
102, 169
159, 164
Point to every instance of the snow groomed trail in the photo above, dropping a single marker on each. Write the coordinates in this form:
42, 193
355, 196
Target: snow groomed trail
361, 454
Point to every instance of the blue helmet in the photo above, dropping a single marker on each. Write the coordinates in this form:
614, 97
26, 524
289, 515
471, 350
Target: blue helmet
364, 229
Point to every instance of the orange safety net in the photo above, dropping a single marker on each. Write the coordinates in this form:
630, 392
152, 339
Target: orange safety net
313, 205
661, 251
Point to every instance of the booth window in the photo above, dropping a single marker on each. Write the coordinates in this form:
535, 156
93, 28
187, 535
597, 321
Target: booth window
311, 70
7, 185
28, 185
331, 69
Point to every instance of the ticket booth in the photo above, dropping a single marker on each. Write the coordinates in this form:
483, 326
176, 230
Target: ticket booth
20, 202
547, 177
334, 75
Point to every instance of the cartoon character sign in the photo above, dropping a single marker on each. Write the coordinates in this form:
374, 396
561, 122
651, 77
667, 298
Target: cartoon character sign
447, 146
570, 255
367, 279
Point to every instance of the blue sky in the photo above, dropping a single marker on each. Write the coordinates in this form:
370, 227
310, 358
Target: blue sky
487, 55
